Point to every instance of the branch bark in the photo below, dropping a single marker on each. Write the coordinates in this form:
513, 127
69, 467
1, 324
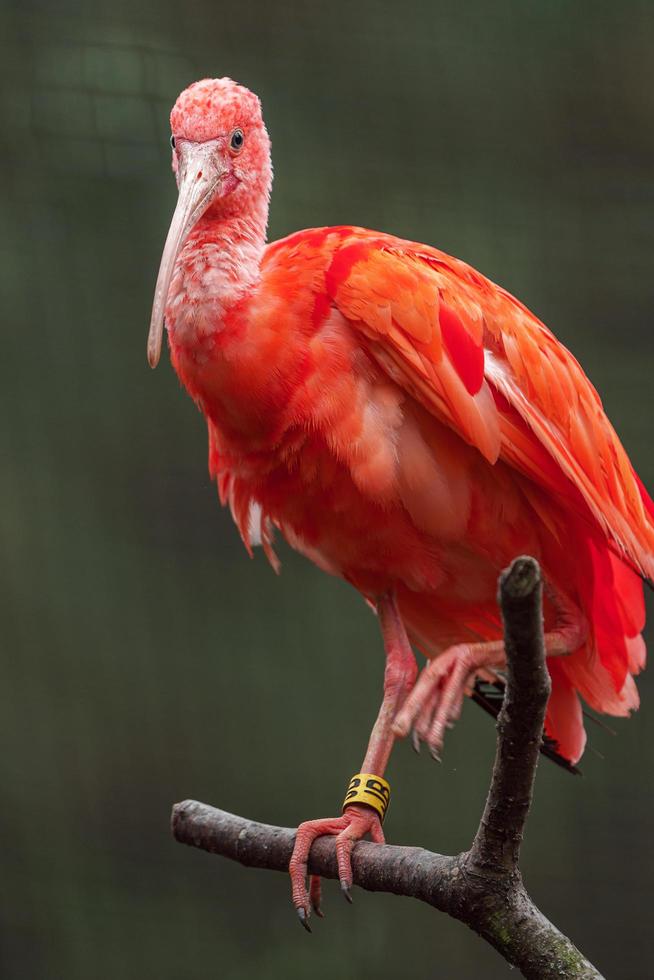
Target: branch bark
481, 887
496, 847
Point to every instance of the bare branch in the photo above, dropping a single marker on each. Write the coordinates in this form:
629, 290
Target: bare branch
496, 846
386, 868
483, 887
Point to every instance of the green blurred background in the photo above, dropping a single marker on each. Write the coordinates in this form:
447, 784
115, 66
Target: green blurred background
145, 658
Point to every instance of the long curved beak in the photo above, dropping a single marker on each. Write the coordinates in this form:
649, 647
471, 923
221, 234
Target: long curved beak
200, 170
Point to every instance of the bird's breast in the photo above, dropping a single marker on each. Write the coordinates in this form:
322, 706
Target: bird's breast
310, 435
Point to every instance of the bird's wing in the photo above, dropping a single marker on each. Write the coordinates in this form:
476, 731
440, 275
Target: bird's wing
480, 361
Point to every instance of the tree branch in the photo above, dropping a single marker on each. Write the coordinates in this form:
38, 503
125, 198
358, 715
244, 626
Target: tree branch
482, 887
496, 846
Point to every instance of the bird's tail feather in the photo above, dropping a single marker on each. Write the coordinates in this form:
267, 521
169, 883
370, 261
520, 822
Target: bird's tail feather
602, 670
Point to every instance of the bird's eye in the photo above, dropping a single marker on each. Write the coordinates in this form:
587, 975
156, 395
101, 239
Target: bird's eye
236, 141
172, 142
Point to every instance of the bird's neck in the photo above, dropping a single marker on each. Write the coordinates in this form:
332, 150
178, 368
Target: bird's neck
232, 246
217, 268
225, 361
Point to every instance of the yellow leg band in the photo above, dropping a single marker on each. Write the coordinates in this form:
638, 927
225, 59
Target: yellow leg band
371, 790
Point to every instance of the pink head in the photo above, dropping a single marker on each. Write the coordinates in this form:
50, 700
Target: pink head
221, 159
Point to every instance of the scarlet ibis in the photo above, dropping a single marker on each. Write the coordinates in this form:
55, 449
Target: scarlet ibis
409, 426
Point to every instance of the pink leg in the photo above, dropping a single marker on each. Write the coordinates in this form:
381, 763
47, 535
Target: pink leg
358, 819
436, 700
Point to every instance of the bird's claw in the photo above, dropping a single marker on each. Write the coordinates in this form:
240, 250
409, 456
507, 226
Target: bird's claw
357, 821
304, 918
347, 894
436, 700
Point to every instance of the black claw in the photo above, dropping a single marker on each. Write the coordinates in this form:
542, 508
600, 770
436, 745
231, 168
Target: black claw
345, 888
318, 911
304, 919
415, 741
435, 754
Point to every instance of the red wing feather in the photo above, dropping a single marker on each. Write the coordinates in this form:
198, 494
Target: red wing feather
479, 360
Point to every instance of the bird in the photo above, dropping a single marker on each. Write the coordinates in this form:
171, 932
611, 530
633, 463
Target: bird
410, 427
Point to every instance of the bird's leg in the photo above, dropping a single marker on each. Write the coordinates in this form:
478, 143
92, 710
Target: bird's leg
399, 677
436, 700
359, 819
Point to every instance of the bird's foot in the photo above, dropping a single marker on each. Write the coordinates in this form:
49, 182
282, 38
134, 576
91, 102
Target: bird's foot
357, 821
435, 702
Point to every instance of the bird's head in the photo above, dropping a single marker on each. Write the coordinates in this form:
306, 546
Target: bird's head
221, 160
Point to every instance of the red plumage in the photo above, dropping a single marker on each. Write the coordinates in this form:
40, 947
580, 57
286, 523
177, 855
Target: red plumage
383, 452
